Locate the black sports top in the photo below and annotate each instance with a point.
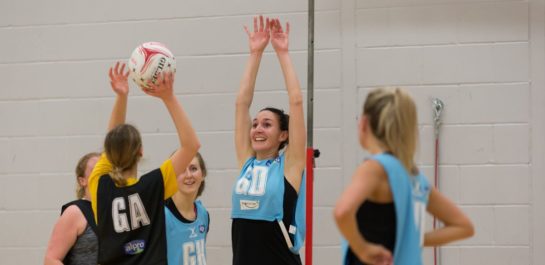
(377, 224)
(85, 249)
(131, 219)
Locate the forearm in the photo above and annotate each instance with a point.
(186, 134)
(247, 84)
(457, 224)
(349, 229)
(446, 235)
(64, 236)
(290, 78)
(52, 261)
(119, 112)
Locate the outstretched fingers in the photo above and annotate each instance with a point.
(247, 31)
(279, 26)
(116, 71)
(273, 25)
(122, 71)
(255, 24)
(276, 26)
(257, 27)
(116, 68)
(260, 36)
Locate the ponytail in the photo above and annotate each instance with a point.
(122, 146)
(393, 120)
(117, 176)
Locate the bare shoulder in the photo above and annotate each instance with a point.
(73, 216)
(372, 168)
(72, 211)
(373, 173)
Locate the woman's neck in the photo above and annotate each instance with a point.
(130, 173)
(185, 204)
(374, 146)
(86, 195)
(266, 155)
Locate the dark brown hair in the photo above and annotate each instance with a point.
(283, 121)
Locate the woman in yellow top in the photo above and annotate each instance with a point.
(130, 211)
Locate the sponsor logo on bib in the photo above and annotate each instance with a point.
(249, 205)
(135, 247)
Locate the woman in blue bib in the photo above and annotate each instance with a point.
(266, 192)
(187, 220)
(382, 211)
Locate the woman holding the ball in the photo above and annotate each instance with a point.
(265, 195)
(129, 211)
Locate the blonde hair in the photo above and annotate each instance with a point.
(80, 172)
(122, 146)
(202, 165)
(393, 120)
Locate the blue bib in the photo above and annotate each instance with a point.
(411, 195)
(258, 194)
(186, 242)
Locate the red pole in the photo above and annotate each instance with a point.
(309, 205)
(310, 138)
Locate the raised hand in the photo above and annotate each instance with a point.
(279, 37)
(118, 79)
(163, 87)
(259, 38)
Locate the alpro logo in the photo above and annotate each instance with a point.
(135, 247)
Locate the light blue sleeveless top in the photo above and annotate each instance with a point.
(411, 195)
(186, 242)
(258, 194)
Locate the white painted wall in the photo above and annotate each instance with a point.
(484, 58)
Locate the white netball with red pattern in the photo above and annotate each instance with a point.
(148, 60)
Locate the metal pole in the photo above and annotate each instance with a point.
(310, 127)
(438, 107)
(310, 74)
